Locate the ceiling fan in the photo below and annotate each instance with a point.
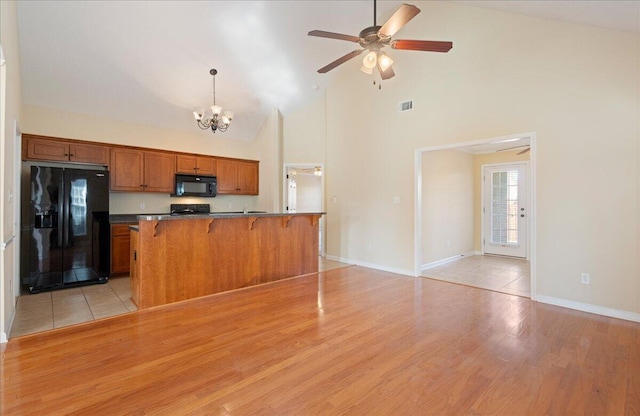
(375, 38)
(527, 149)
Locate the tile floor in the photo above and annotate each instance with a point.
(501, 274)
(49, 310)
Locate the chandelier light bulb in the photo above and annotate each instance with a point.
(370, 59)
(216, 109)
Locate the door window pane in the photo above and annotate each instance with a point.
(504, 207)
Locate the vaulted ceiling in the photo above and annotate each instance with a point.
(148, 61)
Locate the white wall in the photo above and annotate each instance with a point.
(10, 118)
(447, 204)
(575, 86)
(308, 193)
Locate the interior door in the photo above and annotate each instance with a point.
(505, 209)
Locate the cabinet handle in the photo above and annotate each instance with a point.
(71, 154)
(66, 154)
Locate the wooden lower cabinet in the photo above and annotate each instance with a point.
(120, 249)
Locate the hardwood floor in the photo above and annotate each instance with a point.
(347, 341)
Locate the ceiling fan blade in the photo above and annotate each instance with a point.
(386, 74)
(340, 61)
(332, 35)
(405, 13)
(524, 151)
(506, 149)
(422, 45)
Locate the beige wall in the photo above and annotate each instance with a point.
(58, 123)
(478, 161)
(10, 118)
(447, 204)
(575, 86)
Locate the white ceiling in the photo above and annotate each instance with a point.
(148, 61)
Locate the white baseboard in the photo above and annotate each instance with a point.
(587, 307)
(444, 261)
(371, 265)
(3, 338)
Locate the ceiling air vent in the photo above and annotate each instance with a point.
(405, 106)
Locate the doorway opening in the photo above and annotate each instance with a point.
(450, 224)
(505, 209)
(304, 192)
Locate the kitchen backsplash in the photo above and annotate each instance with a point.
(141, 203)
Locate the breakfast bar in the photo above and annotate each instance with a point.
(174, 258)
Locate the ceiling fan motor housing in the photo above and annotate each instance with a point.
(371, 39)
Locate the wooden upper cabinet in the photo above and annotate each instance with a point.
(60, 151)
(159, 172)
(126, 170)
(87, 153)
(135, 169)
(237, 177)
(196, 165)
(139, 171)
(248, 178)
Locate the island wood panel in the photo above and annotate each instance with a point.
(134, 281)
(189, 258)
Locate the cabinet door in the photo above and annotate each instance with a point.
(87, 153)
(120, 248)
(186, 164)
(248, 178)
(206, 165)
(126, 170)
(227, 172)
(159, 172)
(38, 149)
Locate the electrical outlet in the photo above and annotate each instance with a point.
(369, 248)
(585, 279)
(142, 205)
(448, 243)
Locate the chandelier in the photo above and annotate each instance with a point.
(215, 121)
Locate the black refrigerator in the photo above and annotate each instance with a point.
(65, 229)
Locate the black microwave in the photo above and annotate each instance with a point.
(196, 185)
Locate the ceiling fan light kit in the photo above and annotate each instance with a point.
(374, 38)
(215, 121)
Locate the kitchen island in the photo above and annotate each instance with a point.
(174, 258)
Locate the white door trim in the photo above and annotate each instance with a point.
(285, 191)
(417, 242)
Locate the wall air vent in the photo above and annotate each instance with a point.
(405, 106)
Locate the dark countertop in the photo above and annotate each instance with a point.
(134, 218)
(162, 217)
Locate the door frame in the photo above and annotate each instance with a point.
(527, 204)
(417, 212)
(285, 195)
